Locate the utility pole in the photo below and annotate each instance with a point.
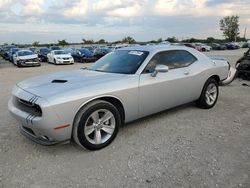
(245, 33)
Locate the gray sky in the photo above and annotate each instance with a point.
(26, 21)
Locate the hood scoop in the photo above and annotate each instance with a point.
(59, 81)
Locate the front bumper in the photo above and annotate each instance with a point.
(30, 64)
(39, 140)
(38, 128)
(64, 62)
(89, 59)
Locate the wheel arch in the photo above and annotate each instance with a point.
(108, 98)
(216, 78)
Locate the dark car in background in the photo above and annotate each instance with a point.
(246, 45)
(83, 55)
(100, 52)
(216, 46)
(11, 53)
(54, 48)
(69, 50)
(34, 50)
(243, 66)
(232, 46)
(42, 54)
(90, 48)
(6, 50)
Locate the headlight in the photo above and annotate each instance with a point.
(58, 58)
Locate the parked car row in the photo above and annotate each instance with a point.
(19, 57)
(58, 55)
(53, 54)
(216, 46)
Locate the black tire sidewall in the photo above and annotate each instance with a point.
(202, 101)
(80, 127)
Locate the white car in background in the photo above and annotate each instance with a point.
(60, 57)
(204, 47)
(26, 58)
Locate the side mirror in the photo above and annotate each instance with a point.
(160, 68)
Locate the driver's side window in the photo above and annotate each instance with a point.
(159, 58)
(172, 58)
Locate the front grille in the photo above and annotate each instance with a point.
(31, 60)
(29, 106)
(65, 58)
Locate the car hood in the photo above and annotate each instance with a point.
(28, 57)
(62, 82)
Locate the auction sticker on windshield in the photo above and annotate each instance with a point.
(135, 53)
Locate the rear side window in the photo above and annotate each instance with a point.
(172, 58)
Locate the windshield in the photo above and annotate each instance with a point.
(85, 51)
(59, 52)
(121, 61)
(14, 50)
(44, 50)
(68, 51)
(24, 53)
(55, 48)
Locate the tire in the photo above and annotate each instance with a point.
(209, 94)
(18, 65)
(55, 61)
(91, 134)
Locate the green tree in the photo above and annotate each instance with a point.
(210, 40)
(86, 41)
(159, 40)
(62, 42)
(172, 39)
(83, 41)
(36, 43)
(101, 41)
(230, 27)
(129, 40)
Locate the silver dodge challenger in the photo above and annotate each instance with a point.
(89, 105)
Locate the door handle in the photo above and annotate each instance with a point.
(186, 73)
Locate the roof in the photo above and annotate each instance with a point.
(154, 48)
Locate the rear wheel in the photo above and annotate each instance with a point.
(96, 125)
(209, 94)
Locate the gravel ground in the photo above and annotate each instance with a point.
(182, 147)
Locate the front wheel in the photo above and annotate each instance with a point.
(96, 125)
(209, 94)
(18, 64)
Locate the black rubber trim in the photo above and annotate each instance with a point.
(40, 141)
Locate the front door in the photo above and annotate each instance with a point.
(169, 89)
